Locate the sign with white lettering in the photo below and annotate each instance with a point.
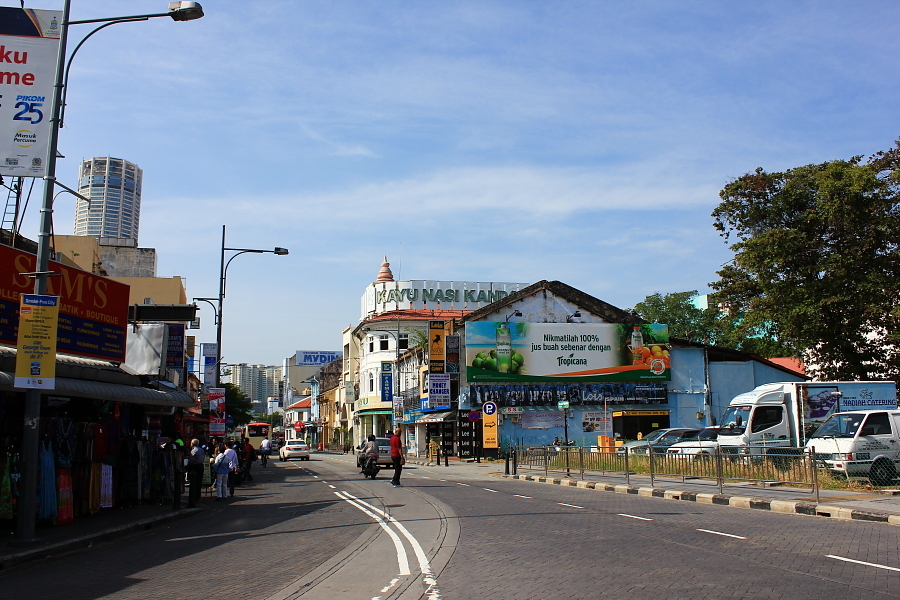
(29, 42)
(316, 358)
(439, 390)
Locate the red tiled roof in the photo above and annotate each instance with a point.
(418, 314)
(305, 403)
(790, 363)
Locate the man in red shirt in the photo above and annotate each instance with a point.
(397, 457)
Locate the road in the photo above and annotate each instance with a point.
(317, 530)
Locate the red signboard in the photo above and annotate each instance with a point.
(93, 314)
(299, 426)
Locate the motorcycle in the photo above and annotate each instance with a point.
(371, 467)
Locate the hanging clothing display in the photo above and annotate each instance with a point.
(106, 486)
(46, 495)
(6, 487)
(65, 501)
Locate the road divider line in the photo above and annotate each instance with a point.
(465, 484)
(490, 490)
(635, 517)
(331, 486)
(521, 496)
(402, 560)
(739, 537)
(571, 505)
(861, 562)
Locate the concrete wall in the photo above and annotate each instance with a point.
(159, 289)
(121, 261)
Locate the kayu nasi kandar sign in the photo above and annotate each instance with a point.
(29, 41)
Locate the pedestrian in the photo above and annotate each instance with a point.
(195, 472)
(232, 457)
(249, 455)
(220, 468)
(397, 457)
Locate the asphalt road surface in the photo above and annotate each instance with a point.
(317, 530)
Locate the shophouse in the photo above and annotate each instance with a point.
(298, 420)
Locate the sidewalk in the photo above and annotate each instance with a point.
(87, 531)
(879, 506)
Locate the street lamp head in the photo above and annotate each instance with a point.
(185, 11)
(281, 251)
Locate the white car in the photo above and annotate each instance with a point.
(703, 445)
(294, 449)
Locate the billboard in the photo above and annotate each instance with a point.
(30, 42)
(316, 358)
(566, 352)
(93, 310)
(217, 416)
(587, 394)
(36, 350)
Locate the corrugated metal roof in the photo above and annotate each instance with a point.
(436, 417)
(100, 390)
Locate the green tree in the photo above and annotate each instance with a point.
(237, 405)
(816, 262)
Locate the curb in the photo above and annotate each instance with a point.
(86, 541)
(780, 506)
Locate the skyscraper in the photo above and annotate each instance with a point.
(114, 187)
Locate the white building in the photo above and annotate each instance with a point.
(299, 412)
(114, 188)
(259, 382)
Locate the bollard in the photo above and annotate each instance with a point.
(506, 468)
(446, 461)
(515, 469)
(438, 461)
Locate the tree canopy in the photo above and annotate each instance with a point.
(237, 405)
(816, 262)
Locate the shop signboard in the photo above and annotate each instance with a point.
(541, 420)
(439, 390)
(436, 348)
(586, 394)
(175, 349)
(36, 347)
(490, 437)
(30, 42)
(217, 416)
(93, 310)
(387, 382)
(316, 358)
(566, 352)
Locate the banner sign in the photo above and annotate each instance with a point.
(532, 420)
(490, 437)
(387, 381)
(566, 352)
(217, 416)
(599, 422)
(398, 408)
(93, 310)
(435, 346)
(316, 358)
(175, 350)
(451, 343)
(439, 390)
(208, 352)
(29, 40)
(591, 394)
(36, 347)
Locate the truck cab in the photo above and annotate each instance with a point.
(860, 444)
(755, 420)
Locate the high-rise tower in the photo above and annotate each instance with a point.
(114, 187)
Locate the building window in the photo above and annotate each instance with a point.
(404, 341)
(371, 382)
(371, 344)
(382, 342)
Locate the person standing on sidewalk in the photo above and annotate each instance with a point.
(249, 455)
(233, 462)
(195, 472)
(397, 457)
(220, 470)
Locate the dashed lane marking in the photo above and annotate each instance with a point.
(860, 562)
(739, 537)
(570, 505)
(521, 496)
(635, 517)
(465, 484)
(490, 490)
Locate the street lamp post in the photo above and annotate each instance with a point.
(223, 274)
(178, 11)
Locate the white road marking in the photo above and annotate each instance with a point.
(425, 477)
(442, 480)
(634, 517)
(331, 486)
(465, 484)
(402, 560)
(860, 562)
(572, 505)
(739, 537)
(490, 490)
(211, 535)
(316, 476)
(521, 496)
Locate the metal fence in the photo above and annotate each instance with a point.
(699, 464)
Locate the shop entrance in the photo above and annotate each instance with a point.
(627, 424)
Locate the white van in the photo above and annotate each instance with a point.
(860, 444)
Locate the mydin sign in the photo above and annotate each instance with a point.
(316, 358)
(426, 294)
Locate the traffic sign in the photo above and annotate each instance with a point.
(474, 416)
(489, 408)
(562, 404)
(299, 426)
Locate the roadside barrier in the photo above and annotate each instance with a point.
(699, 464)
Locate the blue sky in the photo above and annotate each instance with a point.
(479, 141)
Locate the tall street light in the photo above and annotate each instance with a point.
(178, 11)
(223, 274)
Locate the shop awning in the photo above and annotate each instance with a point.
(99, 390)
(439, 417)
(376, 411)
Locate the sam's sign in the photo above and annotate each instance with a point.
(93, 310)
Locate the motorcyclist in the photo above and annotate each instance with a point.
(370, 451)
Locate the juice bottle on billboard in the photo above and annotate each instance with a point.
(637, 345)
(504, 348)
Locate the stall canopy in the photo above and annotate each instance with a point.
(437, 417)
(101, 390)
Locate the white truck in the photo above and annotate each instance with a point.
(860, 444)
(785, 415)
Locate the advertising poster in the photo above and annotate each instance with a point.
(566, 352)
(208, 352)
(93, 310)
(439, 390)
(586, 394)
(436, 348)
(545, 420)
(175, 349)
(217, 416)
(36, 347)
(30, 41)
(452, 347)
(597, 422)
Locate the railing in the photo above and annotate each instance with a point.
(700, 464)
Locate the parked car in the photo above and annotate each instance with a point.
(384, 453)
(660, 440)
(704, 444)
(294, 449)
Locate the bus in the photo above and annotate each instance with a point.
(256, 432)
